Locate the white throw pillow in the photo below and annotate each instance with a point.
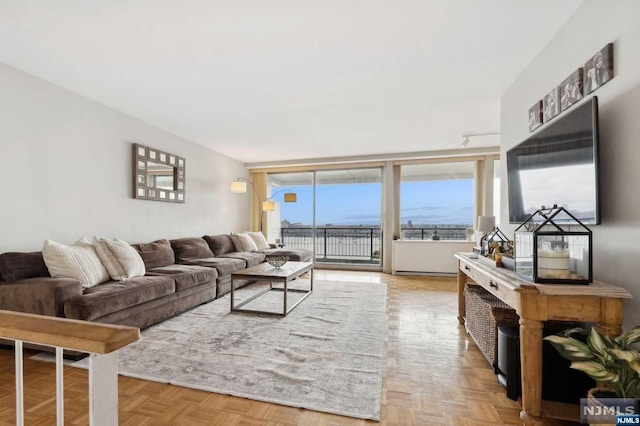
(121, 260)
(259, 239)
(243, 242)
(78, 261)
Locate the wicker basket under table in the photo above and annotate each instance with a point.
(484, 312)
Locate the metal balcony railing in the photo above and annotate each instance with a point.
(357, 244)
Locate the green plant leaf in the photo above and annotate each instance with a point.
(627, 355)
(631, 336)
(599, 343)
(596, 371)
(570, 348)
(632, 357)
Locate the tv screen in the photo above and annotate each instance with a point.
(557, 165)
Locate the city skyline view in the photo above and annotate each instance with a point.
(436, 202)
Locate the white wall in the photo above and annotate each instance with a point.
(616, 242)
(66, 173)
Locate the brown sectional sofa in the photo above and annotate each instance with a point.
(180, 274)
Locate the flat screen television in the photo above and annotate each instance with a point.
(557, 165)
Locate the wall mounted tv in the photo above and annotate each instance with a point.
(557, 165)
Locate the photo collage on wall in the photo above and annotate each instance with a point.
(596, 72)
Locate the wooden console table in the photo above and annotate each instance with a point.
(597, 303)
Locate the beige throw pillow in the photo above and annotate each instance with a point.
(121, 260)
(78, 261)
(243, 242)
(259, 239)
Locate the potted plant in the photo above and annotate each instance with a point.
(608, 361)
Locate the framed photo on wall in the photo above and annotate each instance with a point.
(599, 69)
(551, 104)
(571, 89)
(535, 116)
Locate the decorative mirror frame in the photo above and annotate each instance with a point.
(144, 154)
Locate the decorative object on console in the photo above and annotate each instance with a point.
(551, 104)
(599, 69)
(277, 261)
(571, 89)
(485, 224)
(158, 175)
(493, 244)
(545, 252)
(535, 116)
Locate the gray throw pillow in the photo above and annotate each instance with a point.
(16, 266)
(155, 254)
(191, 248)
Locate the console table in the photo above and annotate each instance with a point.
(597, 303)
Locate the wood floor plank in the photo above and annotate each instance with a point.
(433, 375)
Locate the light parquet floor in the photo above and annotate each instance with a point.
(434, 375)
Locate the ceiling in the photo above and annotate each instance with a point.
(284, 80)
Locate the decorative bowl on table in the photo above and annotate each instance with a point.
(277, 261)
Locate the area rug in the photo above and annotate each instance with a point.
(326, 355)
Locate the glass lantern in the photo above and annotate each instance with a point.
(547, 252)
(491, 240)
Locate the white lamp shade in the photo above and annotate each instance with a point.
(237, 186)
(486, 223)
(268, 206)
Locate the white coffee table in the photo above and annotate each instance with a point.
(265, 272)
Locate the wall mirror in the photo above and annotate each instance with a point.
(158, 175)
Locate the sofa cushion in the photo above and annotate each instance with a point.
(78, 261)
(114, 296)
(186, 276)
(225, 266)
(190, 248)
(17, 266)
(294, 254)
(243, 242)
(220, 244)
(121, 260)
(251, 258)
(155, 254)
(259, 239)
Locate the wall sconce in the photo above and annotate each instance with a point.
(269, 205)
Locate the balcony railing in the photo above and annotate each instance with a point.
(357, 244)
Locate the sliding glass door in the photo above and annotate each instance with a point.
(337, 213)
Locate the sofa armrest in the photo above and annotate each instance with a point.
(42, 296)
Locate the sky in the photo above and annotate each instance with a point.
(425, 202)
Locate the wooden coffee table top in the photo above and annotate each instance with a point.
(265, 271)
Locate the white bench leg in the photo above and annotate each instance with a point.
(59, 387)
(103, 389)
(19, 385)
